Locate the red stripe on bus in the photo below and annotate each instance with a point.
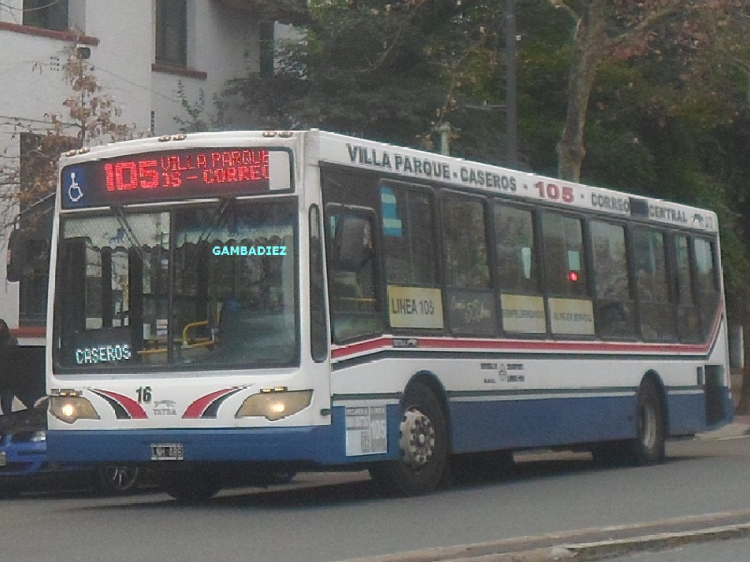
(131, 406)
(448, 343)
(196, 409)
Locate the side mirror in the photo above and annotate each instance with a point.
(17, 256)
(351, 243)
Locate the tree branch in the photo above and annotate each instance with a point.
(651, 18)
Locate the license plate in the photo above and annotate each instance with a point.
(3, 458)
(167, 452)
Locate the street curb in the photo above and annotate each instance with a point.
(587, 544)
(730, 431)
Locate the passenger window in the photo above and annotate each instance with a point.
(706, 282)
(408, 237)
(688, 318)
(614, 305)
(471, 302)
(516, 253)
(523, 309)
(465, 248)
(571, 311)
(656, 311)
(564, 259)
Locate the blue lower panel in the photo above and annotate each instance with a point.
(686, 413)
(324, 445)
(314, 444)
(510, 424)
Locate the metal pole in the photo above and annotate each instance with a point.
(510, 83)
(83, 54)
(445, 129)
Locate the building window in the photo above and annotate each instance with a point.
(171, 32)
(47, 14)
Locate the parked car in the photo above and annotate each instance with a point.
(24, 464)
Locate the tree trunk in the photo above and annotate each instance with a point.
(588, 50)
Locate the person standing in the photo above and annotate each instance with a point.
(8, 345)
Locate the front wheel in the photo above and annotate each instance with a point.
(117, 479)
(190, 486)
(423, 443)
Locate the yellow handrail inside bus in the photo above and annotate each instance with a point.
(185, 340)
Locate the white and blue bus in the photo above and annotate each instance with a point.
(237, 304)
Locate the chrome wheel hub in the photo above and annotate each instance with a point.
(647, 421)
(417, 438)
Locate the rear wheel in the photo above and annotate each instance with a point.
(423, 443)
(649, 445)
(190, 486)
(484, 466)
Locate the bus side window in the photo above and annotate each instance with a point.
(688, 315)
(470, 298)
(615, 311)
(517, 271)
(656, 311)
(706, 282)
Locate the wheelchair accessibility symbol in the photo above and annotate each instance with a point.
(74, 186)
(74, 190)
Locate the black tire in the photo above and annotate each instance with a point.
(424, 447)
(481, 467)
(649, 445)
(116, 480)
(190, 487)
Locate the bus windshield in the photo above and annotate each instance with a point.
(208, 285)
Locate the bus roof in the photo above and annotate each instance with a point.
(412, 164)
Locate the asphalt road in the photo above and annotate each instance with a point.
(346, 518)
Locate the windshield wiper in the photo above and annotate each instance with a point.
(220, 213)
(132, 238)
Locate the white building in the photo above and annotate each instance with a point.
(142, 52)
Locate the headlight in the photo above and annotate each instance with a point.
(72, 408)
(275, 405)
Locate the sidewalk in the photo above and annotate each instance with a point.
(739, 427)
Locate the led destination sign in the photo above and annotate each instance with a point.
(176, 174)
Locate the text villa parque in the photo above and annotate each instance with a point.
(420, 166)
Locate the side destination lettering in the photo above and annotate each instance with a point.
(610, 203)
(398, 162)
(429, 168)
(665, 213)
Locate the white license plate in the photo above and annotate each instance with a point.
(3, 458)
(167, 452)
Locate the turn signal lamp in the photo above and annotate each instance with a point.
(72, 408)
(275, 403)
